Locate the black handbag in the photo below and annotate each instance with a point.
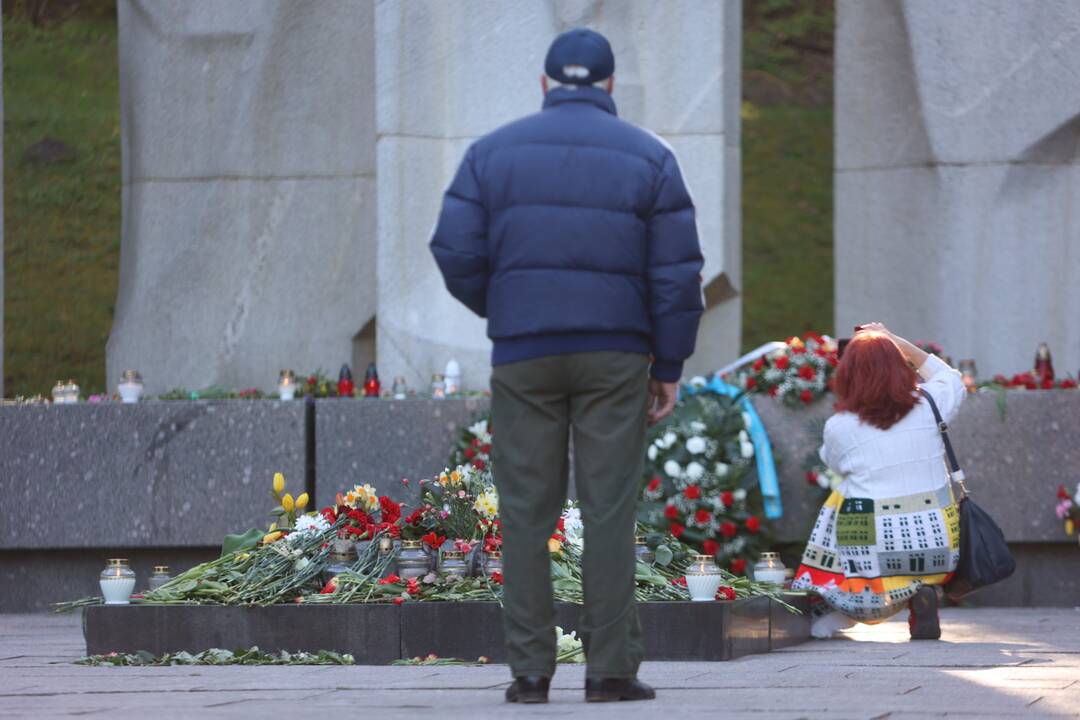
(984, 555)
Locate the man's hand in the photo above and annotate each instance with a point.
(662, 397)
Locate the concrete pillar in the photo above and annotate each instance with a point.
(247, 130)
(957, 175)
(451, 72)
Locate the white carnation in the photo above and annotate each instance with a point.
(694, 471)
(695, 445)
(747, 449)
(669, 439)
(747, 420)
(739, 494)
(698, 426)
(721, 469)
(651, 452)
(309, 524)
(672, 468)
(698, 381)
(479, 428)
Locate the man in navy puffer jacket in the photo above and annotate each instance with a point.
(573, 233)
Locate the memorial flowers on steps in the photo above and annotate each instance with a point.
(797, 374)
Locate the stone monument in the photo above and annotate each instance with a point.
(449, 72)
(248, 137)
(958, 175)
(252, 237)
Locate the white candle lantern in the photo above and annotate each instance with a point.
(287, 385)
(131, 386)
(117, 582)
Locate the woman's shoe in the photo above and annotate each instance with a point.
(923, 618)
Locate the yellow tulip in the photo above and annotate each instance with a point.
(1070, 527)
(554, 546)
(287, 503)
(279, 483)
(273, 527)
(302, 501)
(271, 537)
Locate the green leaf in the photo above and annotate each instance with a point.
(664, 556)
(243, 541)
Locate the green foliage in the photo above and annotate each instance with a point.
(61, 220)
(779, 33)
(217, 656)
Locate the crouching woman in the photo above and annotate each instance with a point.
(890, 531)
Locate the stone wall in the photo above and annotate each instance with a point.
(247, 131)
(450, 72)
(957, 168)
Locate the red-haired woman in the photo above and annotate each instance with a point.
(890, 531)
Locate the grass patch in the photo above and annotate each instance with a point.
(61, 220)
(787, 222)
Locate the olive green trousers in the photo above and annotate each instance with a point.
(601, 398)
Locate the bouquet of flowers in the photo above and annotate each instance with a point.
(1068, 510)
(798, 374)
(1031, 381)
(462, 503)
(474, 446)
(698, 481)
(363, 514)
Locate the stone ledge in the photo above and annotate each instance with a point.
(377, 634)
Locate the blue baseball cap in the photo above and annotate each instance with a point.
(580, 57)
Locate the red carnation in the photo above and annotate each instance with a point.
(703, 517)
(478, 464)
(798, 349)
(671, 512)
(654, 484)
(391, 511)
(774, 390)
(390, 580)
(486, 449)
(710, 546)
(833, 360)
(728, 529)
(725, 593)
(677, 530)
(496, 577)
(811, 477)
(680, 581)
(782, 362)
(433, 541)
(1062, 493)
(470, 453)
(753, 524)
(738, 566)
(692, 492)
(415, 516)
(806, 396)
(728, 498)
(759, 364)
(751, 383)
(1067, 384)
(807, 373)
(398, 600)
(561, 525)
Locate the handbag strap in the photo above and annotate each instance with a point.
(955, 472)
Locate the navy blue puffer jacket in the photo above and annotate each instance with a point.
(571, 231)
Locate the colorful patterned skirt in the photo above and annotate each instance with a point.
(867, 557)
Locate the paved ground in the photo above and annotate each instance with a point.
(992, 663)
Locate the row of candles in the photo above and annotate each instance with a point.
(443, 385)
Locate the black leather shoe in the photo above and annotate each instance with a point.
(923, 620)
(528, 689)
(613, 689)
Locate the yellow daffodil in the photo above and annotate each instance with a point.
(279, 483)
(1070, 527)
(455, 478)
(444, 479)
(554, 546)
(287, 503)
(302, 501)
(271, 537)
(273, 527)
(487, 504)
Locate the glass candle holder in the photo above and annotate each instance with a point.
(412, 561)
(159, 577)
(438, 386)
(769, 569)
(400, 388)
(452, 377)
(72, 391)
(702, 578)
(493, 562)
(642, 550)
(287, 385)
(59, 393)
(130, 387)
(453, 567)
(117, 582)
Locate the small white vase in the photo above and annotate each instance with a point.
(117, 591)
(703, 587)
(130, 392)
